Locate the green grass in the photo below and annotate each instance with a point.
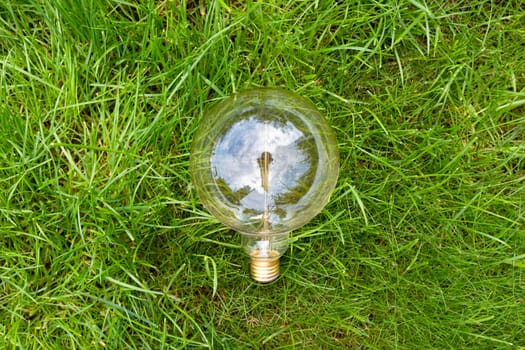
(104, 244)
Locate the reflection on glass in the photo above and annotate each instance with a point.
(258, 162)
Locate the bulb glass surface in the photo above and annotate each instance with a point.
(264, 162)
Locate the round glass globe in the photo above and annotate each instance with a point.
(264, 161)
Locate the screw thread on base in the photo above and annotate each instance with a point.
(264, 270)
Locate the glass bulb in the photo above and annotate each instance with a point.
(264, 162)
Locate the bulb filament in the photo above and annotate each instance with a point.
(264, 166)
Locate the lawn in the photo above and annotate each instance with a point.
(104, 243)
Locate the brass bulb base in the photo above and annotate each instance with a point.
(264, 270)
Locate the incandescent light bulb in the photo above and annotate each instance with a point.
(264, 162)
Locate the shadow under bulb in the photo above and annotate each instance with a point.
(264, 162)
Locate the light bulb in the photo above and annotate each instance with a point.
(264, 162)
